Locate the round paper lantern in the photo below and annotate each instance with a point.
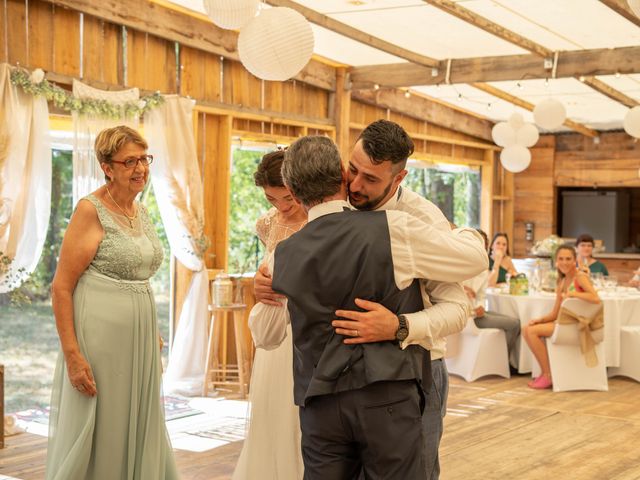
(276, 45)
(231, 14)
(503, 134)
(527, 135)
(515, 158)
(634, 5)
(549, 114)
(632, 122)
(516, 121)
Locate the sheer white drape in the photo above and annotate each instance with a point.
(87, 175)
(177, 184)
(25, 177)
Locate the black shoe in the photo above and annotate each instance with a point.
(513, 370)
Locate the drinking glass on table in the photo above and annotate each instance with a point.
(598, 280)
(610, 283)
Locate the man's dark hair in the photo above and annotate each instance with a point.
(268, 172)
(384, 141)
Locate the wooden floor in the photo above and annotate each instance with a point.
(495, 429)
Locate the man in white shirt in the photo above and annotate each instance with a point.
(376, 169)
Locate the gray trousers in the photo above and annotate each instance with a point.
(375, 431)
(432, 418)
(511, 327)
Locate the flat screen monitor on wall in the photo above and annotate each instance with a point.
(602, 214)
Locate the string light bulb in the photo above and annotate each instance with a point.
(519, 85)
(376, 86)
(407, 94)
(459, 97)
(617, 74)
(546, 82)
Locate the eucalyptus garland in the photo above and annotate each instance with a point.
(35, 84)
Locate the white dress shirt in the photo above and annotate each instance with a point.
(418, 250)
(446, 304)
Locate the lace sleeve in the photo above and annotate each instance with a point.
(263, 225)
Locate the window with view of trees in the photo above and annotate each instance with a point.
(454, 189)
(247, 204)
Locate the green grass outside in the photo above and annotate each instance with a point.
(29, 350)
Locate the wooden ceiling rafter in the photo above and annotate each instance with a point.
(621, 8)
(487, 25)
(355, 34)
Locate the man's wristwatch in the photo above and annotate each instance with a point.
(403, 328)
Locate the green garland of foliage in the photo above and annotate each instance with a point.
(66, 101)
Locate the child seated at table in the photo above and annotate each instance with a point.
(572, 283)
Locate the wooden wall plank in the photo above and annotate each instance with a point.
(136, 58)
(3, 33)
(212, 78)
(160, 65)
(191, 72)
(113, 59)
(93, 52)
(40, 35)
(66, 42)
(17, 32)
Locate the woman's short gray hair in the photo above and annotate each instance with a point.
(312, 169)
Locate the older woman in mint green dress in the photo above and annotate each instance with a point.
(107, 419)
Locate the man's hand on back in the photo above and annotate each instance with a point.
(375, 324)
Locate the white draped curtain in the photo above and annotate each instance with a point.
(87, 174)
(25, 179)
(177, 184)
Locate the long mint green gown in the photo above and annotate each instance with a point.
(120, 433)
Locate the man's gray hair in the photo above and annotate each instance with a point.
(312, 169)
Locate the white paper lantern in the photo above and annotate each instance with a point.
(516, 121)
(634, 5)
(231, 14)
(527, 135)
(632, 122)
(276, 45)
(515, 158)
(503, 134)
(549, 114)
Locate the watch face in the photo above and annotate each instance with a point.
(402, 333)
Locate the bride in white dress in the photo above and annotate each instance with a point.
(271, 450)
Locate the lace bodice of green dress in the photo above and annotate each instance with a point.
(126, 253)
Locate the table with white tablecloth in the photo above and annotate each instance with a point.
(619, 309)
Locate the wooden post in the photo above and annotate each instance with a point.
(342, 107)
(486, 194)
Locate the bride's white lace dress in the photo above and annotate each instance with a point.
(271, 449)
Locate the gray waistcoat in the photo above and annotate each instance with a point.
(324, 267)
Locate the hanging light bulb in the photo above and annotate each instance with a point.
(546, 82)
(407, 94)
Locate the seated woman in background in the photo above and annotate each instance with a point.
(500, 263)
(584, 246)
(572, 283)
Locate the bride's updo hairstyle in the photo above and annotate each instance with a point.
(268, 172)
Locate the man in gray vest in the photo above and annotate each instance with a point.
(376, 169)
(360, 404)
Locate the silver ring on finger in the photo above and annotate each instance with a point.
(357, 333)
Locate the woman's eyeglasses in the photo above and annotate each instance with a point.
(132, 162)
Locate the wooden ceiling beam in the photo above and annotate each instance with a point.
(455, 9)
(355, 34)
(621, 8)
(487, 25)
(427, 110)
(602, 61)
(496, 92)
(610, 92)
(187, 30)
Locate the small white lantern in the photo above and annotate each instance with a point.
(527, 135)
(632, 122)
(231, 14)
(549, 114)
(515, 158)
(503, 134)
(634, 5)
(276, 45)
